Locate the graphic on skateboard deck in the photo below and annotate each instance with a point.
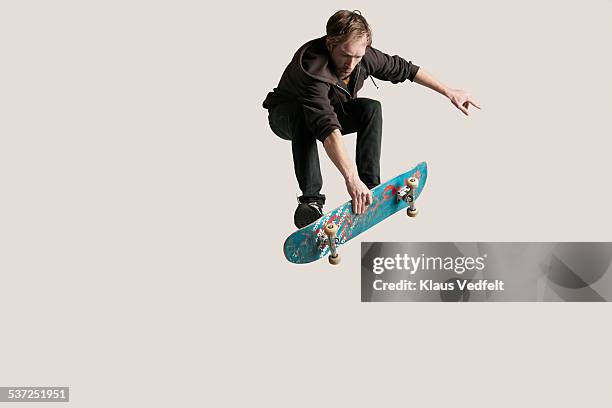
(335, 228)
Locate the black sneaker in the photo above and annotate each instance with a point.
(306, 213)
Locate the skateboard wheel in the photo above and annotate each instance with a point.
(331, 230)
(413, 183)
(334, 260)
(412, 213)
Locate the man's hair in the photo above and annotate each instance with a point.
(345, 24)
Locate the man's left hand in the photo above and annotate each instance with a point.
(461, 100)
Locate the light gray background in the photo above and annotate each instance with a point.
(145, 201)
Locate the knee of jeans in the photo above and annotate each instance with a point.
(371, 107)
(280, 126)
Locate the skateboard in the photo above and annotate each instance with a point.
(335, 228)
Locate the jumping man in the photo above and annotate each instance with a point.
(316, 99)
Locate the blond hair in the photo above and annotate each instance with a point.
(344, 25)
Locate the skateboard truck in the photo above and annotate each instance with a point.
(330, 237)
(406, 194)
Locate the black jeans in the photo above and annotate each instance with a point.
(363, 116)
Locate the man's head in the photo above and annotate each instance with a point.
(348, 36)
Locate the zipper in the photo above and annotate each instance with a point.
(356, 79)
(343, 90)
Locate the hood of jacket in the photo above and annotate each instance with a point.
(315, 61)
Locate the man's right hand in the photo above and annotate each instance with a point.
(359, 192)
(361, 196)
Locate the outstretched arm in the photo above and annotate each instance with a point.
(459, 98)
(360, 194)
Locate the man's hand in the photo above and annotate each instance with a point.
(361, 196)
(461, 100)
(359, 192)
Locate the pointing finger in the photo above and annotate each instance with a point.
(474, 103)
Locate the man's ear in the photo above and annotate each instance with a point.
(328, 45)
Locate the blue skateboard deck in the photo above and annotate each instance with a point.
(304, 245)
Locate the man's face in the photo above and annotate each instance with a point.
(346, 56)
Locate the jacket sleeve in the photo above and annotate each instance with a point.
(320, 117)
(389, 68)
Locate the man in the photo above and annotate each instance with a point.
(316, 99)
